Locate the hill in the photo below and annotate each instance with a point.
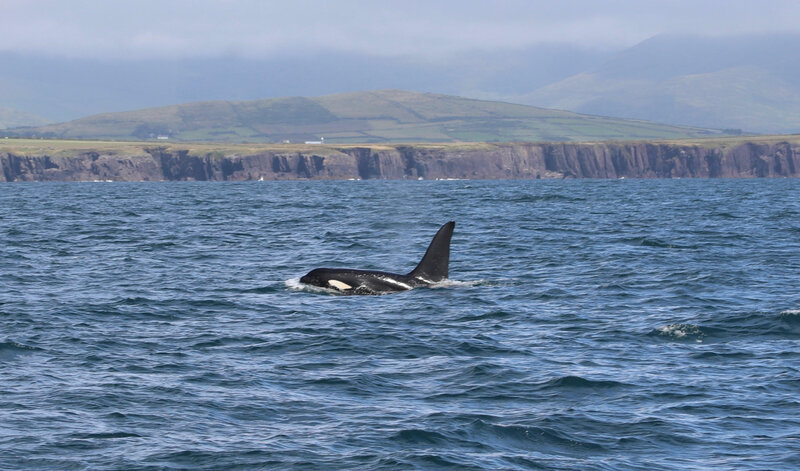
(11, 118)
(746, 82)
(373, 116)
(66, 88)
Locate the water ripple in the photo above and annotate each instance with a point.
(589, 325)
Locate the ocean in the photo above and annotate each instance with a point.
(587, 325)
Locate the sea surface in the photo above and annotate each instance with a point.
(588, 325)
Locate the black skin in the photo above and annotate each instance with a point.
(431, 269)
(362, 281)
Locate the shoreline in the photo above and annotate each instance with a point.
(78, 160)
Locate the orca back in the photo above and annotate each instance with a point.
(434, 266)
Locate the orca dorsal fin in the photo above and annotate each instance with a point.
(434, 265)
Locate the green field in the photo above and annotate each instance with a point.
(74, 147)
(360, 117)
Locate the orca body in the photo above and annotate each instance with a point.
(433, 268)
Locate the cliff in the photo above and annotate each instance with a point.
(728, 159)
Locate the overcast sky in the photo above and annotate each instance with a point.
(262, 28)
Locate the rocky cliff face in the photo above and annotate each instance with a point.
(490, 161)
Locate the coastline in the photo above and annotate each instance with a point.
(730, 157)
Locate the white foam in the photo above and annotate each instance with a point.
(455, 284)
(295, 285)
(790, 312)
(679, 331)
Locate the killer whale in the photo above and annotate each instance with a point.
(433, 268)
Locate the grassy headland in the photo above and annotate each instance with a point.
(384, 116)
(75, 160)
(70, 147)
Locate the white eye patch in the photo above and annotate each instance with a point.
(339, 285)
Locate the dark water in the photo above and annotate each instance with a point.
(592, 325)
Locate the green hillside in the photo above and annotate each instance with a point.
(10, 118)
(373, 116)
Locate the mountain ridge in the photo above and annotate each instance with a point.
(369, 116)
(747, 82)
(12, 118)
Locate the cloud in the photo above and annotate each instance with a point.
(192, 28)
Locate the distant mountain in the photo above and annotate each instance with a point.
(11, 118)
(373, 116)
(62, 89)
(746, 82)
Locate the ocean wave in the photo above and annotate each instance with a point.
(689, 332)
(228, 341)
(105, 435)
(419, 436)
(491, 315)
(790, 315)
(736, 325)
(136, 301)
(261, 289)
(578, 382)
(502, 438)
(514, 436)
(547, 199)
(566, 340)
(645, 241)
(10, 349)
(790, 322)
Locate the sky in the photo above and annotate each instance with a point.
(158, 29)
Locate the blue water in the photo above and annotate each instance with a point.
(590, 325)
